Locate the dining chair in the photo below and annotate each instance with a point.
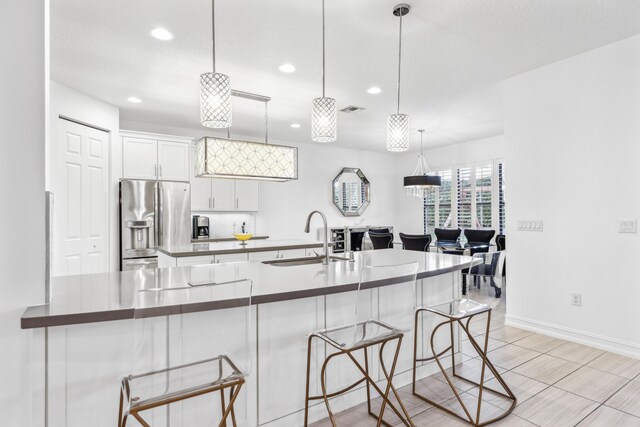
(381, 240)
(479, 237)
(450, 236)
(415, 242)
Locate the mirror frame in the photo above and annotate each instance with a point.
(367, 191)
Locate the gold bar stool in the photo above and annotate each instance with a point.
(461, 312)
(206, 365)
(361, 335)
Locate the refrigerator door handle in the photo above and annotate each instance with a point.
(157, 214)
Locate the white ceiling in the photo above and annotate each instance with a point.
(455, 54)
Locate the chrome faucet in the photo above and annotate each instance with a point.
(325, 245)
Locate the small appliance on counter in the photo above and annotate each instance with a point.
(200, 227)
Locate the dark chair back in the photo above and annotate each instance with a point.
(356, 240)
(479, 236)
(447, 234)
(501, 242)
(415, 242)
(381, 240)
(379, 230)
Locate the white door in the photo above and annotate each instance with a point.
(80, 184)
(223, 194)
(247, 195)
(139, 158)
(173, 161)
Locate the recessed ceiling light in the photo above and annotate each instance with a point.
(374, 90)
(161, 34)
(295, 125)
(134, 100)
(287, 68)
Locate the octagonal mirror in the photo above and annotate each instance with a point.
(351, 192)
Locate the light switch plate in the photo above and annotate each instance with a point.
(628, 226)
(530, 225)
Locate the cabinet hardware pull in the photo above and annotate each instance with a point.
(155, 170)
(209, 202)
(237, 203)
(160, 171)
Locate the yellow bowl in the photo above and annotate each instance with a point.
(243, 236)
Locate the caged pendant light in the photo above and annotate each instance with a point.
(422, 180)
(324, 113)
(215, 90)
(398, 124)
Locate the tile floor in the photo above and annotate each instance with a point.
(557, 383)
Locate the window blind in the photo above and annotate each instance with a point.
(464, 197)
(501, 199)
(483, 196)
(444, 200)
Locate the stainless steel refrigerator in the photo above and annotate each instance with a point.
(152, 214)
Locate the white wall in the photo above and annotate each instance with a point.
(439, 158)
(284, 206)
(572, 134)
(82, 108)
(22, 121)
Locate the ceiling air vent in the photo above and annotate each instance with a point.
(351, 109)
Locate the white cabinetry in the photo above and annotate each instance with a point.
(148, 156)
(223, 195)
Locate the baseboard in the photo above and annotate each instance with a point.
(612, 345)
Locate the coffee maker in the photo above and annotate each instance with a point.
(200, 227)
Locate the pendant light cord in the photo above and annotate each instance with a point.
(266, 122)
(213, 33)
(421, 151)
(399, 62)
(323, 51)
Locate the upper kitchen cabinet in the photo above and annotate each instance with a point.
(147, 156)
(247, 195)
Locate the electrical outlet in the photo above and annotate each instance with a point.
(576, 299)
(627, 226)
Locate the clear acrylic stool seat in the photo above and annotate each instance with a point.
(360, 335)
(461, 312)
(155, 381)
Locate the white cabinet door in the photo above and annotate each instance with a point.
(194, 260)
(173, 161)
(200, 193)
(220, 259)
(223, 194)
(139, 158)
(247, 192)
(263, 256)
(293, 253)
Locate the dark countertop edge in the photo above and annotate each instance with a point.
(28, 321)
(239, 250)
(225, 239)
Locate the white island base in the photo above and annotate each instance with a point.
(87, 361)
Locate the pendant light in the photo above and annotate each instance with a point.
(422, 180)
(215, 90)
(398, 124)
(324, 114)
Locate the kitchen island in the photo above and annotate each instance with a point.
(89, 334)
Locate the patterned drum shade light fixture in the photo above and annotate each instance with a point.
(398, 124)
(215, 90)
(231, 158)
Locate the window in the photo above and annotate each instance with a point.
(476, 200)
(444, 200)
(501, 200)
(483, 196)
(464, 197)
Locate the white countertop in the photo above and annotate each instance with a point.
(110, 296)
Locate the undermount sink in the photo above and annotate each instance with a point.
(291, 262)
